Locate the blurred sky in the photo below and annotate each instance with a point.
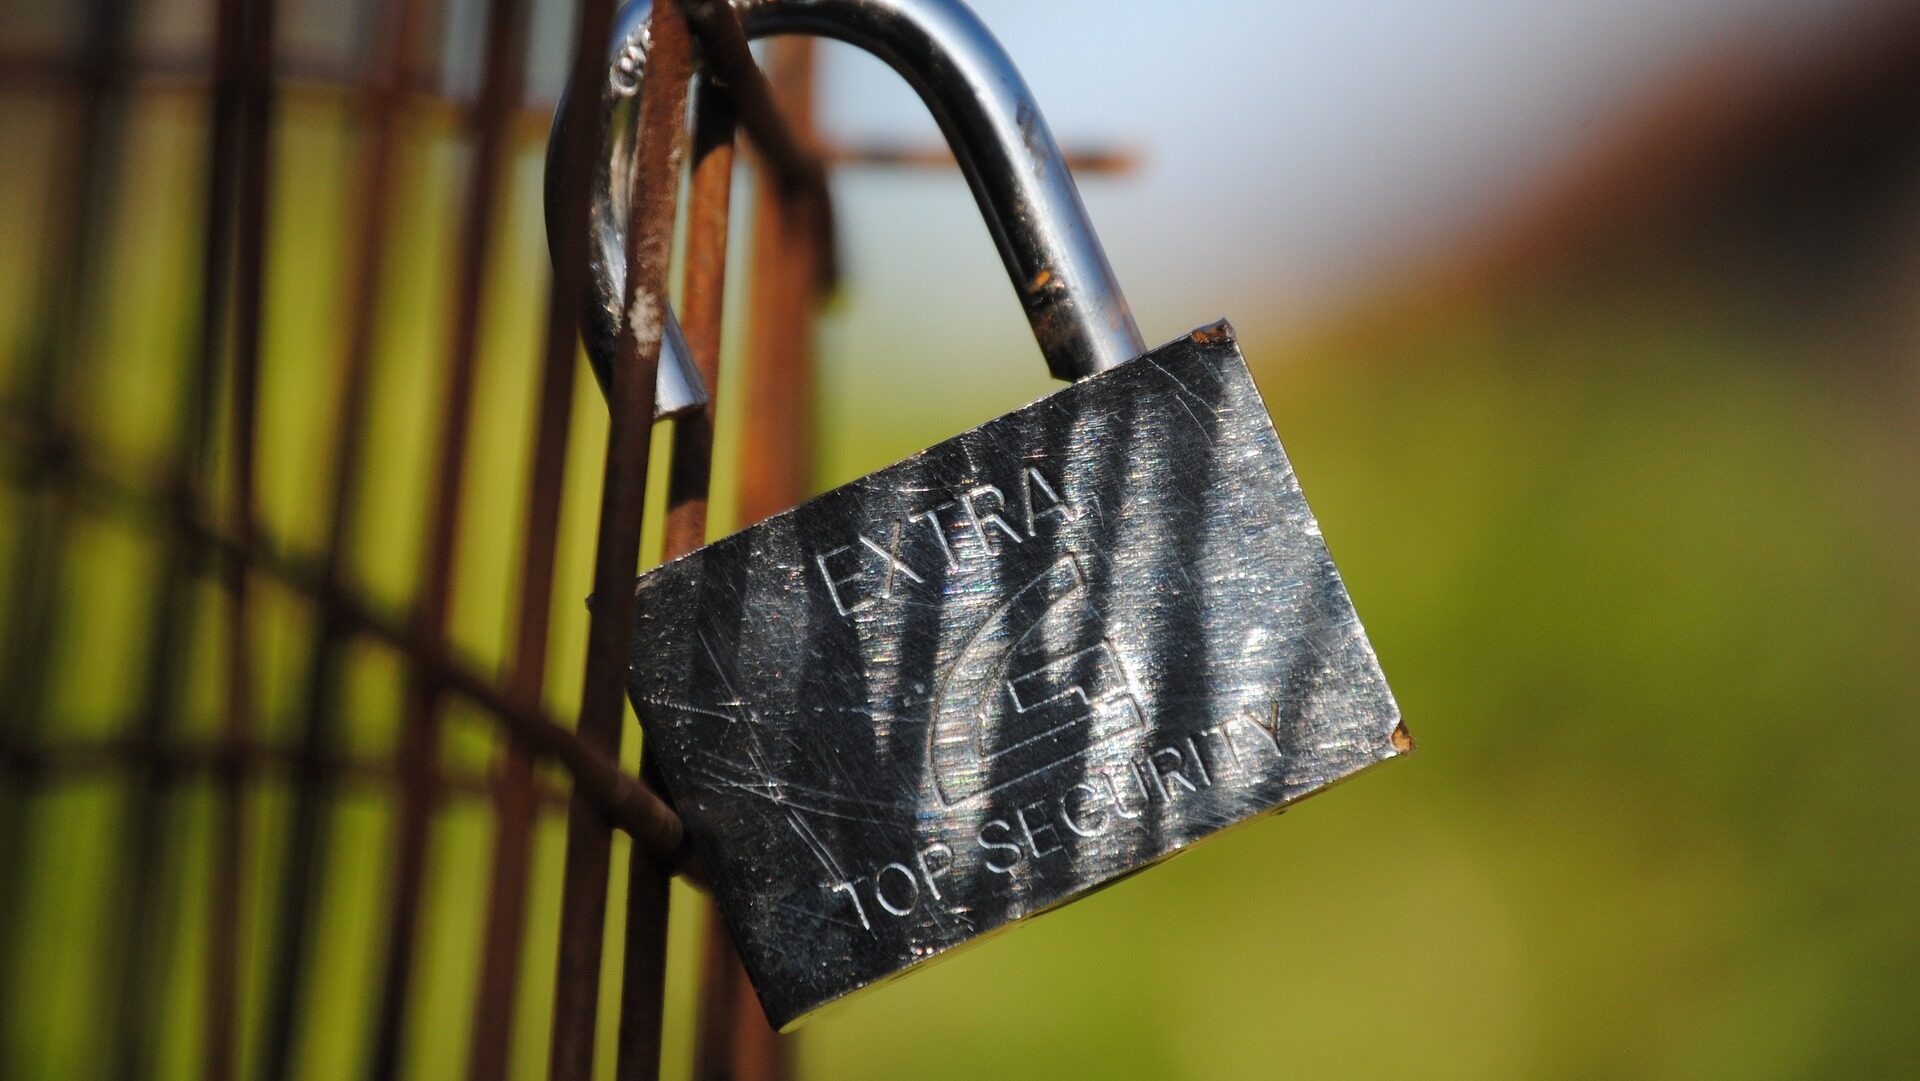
(1302, 146)
(1296, 156)
(1294, 151)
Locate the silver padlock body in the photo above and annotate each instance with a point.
(1004, 672)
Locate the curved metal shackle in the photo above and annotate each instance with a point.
(1073, 301)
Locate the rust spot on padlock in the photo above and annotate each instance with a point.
(1056, 325)
(1402, 739)
(1219, 331)
(1040, 281)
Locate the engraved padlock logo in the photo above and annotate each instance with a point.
(1038, 668)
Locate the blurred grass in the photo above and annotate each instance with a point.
(1645, 586)
(1643, 579)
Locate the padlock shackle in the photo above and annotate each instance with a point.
(1073, 301)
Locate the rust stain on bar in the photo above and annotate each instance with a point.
(691, 474)
(703, 303)
(691, 478)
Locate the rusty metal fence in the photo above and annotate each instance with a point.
(212, 564)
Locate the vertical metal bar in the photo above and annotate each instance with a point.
(526, 672)
(687, 498)
(55, 352)
(583, 890)
(52, 356)
(735, 1042)
(777, 439)
(418, 750)
(709, 203)
(514, 794)
(688, 483)
(623, 492)
(650, 242)
(713, 1048)
(144, 905)
(254, 153)
(305, 844)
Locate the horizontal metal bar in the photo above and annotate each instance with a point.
(74, 760)
(312, 81)
(1084, 161)
(60, 456)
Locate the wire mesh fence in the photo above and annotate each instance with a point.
(310, 754)
(221, 782)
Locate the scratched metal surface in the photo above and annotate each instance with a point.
(1003, 672)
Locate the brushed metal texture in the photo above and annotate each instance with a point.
(1003, 672)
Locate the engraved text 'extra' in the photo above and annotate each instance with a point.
(971, 522)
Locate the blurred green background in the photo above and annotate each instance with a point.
(1592, 334)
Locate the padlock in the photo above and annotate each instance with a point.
(1018, 665)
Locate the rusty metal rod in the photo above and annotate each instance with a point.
(789, 154)
(655, 202)
(586, 871)
(778, 435)
(249, 26)
(418, 747)
(53, 355)
(160, 75)
(703, 304)
(306, 841)
(735, 1043)
(579, 938)
(788, 151)
(703, 298)
(77, 761)
(525, 678)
